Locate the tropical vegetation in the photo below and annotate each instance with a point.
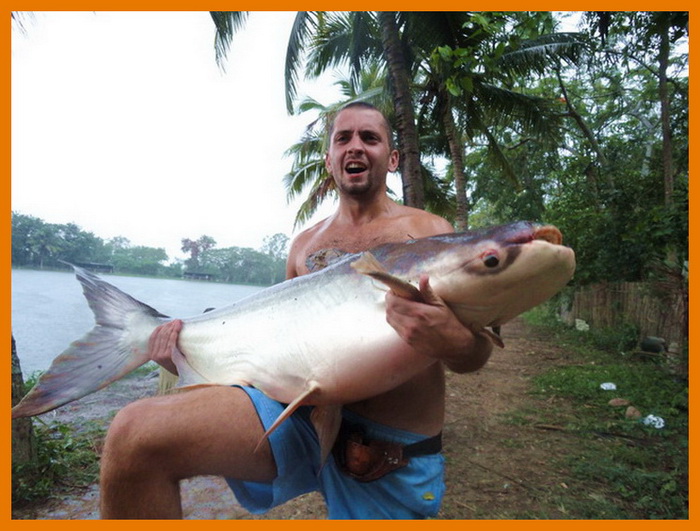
(508, 117)
(498, 116)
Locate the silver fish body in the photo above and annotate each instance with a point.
(327, 328)
(321, 339)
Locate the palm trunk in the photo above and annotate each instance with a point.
(457, 156)
(403, 105)
(667, 146)
(667, 149)
(23, 441)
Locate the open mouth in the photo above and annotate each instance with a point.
(548, 233)
(354, 168)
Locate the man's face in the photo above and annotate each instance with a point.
(359, 155)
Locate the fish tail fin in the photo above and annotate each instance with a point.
(117, 345)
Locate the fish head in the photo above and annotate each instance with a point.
(488, 277)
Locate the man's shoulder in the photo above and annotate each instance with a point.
(309, 234)
(422, 222)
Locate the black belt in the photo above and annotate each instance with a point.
(431, 445)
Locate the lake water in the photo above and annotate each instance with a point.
(49, 310)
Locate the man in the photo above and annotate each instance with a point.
(154, 443)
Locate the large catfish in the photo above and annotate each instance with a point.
(321, 339)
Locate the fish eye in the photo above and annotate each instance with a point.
(491, 260)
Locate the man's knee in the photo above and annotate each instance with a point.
(133, 438)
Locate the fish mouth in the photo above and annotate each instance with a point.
(548, 233)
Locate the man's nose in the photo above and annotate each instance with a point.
(355, 144)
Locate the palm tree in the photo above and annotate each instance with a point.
(353, 39)
(467, 81)
(332, 39)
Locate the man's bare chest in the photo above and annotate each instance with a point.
(358, 240)
(324, 250)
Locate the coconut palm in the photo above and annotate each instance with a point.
(354, 39)
(469, 81)
(358, 39)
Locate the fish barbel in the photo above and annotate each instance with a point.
(321, 339)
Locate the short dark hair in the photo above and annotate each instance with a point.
(361, 105)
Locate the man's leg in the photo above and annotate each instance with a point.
(154, 443)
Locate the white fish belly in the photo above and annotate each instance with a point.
(333, 336)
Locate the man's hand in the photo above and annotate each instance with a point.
(162, 342)
(432, 329)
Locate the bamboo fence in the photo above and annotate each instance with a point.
(610, 305)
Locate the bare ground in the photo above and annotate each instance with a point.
(496, 468)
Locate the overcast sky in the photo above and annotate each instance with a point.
(123, 124)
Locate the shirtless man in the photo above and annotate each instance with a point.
(154, 443)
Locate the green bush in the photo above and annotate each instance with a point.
(64, 459)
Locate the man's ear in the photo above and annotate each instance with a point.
(393, 160)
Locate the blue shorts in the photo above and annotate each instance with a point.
(412, 492)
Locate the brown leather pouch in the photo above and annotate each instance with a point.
(368, 460)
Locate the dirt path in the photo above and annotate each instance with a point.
(495, 467)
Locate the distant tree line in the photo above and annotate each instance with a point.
(238, 265)
(38, 244)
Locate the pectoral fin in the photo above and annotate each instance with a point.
(368, 265)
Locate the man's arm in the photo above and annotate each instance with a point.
(433, 330)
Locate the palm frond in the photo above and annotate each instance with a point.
(534, 113)
(305, 25)
(540, 54)
(21, 19)
(302, 176)
(226, 23)
(346, 39)
(317, 195)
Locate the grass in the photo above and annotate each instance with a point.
(65, 460)
(622, 468)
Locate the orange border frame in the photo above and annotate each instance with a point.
(288, 5)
